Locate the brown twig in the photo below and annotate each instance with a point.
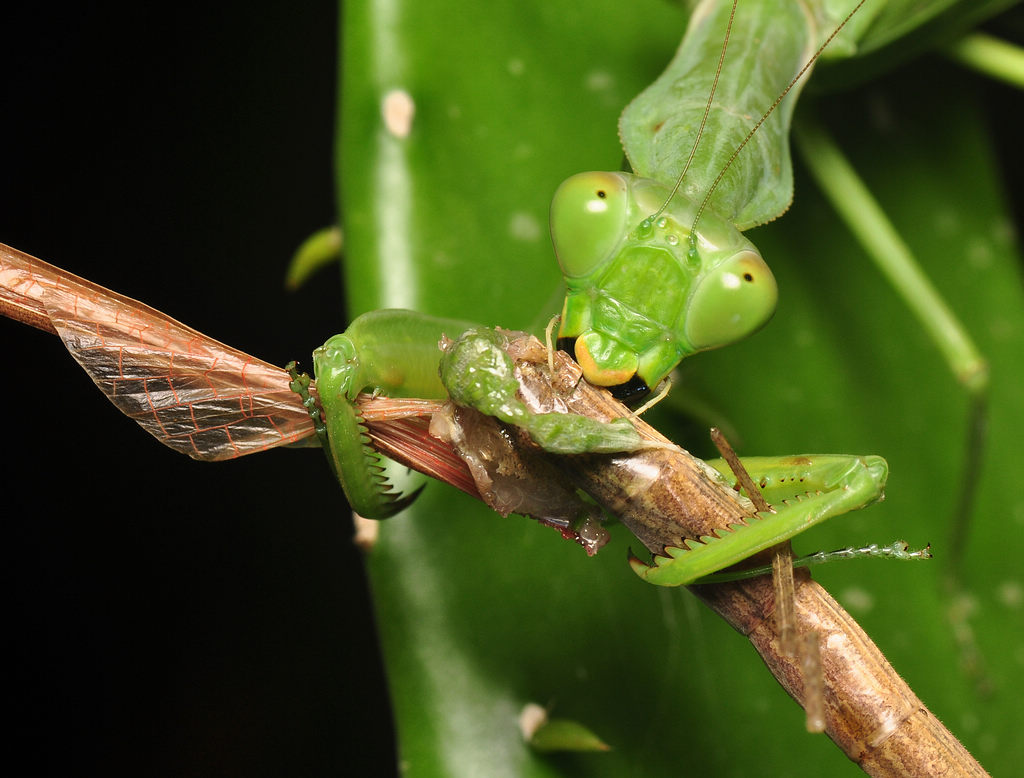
(870, 712)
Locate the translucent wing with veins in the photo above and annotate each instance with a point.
(192, 393)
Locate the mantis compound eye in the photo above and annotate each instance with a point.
(588, 220)
(734, 300)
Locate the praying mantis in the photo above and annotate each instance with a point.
(776, 444)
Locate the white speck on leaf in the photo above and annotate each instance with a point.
(524, 226)
(598, 80)
(857, 599)
(531, 718)
(1010, 594)
(946, 221)
(397, 109)
(979, 253)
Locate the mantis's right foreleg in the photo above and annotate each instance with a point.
(390, 352)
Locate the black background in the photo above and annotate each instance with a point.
(164, 616)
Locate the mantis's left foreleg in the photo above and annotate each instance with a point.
(802, 490)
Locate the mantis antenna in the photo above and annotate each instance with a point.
(646, 223)
(753, 130)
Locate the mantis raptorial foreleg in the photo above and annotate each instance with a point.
(803, 491)
(389, 352)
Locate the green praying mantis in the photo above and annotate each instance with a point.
(652, 278)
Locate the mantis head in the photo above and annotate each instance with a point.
(644, 293)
